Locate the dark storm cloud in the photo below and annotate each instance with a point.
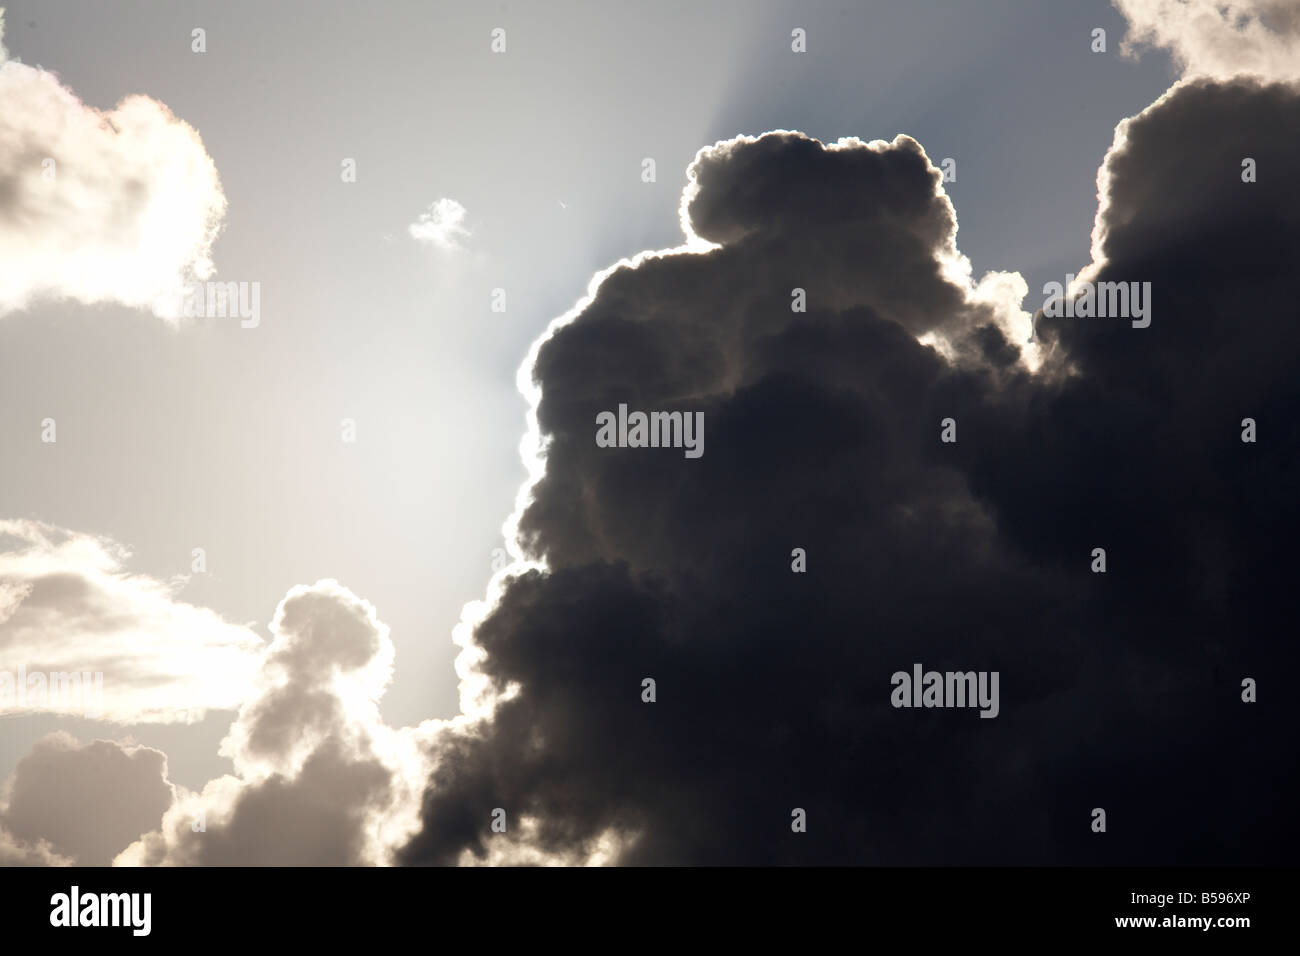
(1119, 691)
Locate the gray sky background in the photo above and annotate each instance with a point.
(228, 439)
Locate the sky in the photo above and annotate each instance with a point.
(312, 550)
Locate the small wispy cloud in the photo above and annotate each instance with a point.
(442, 225)
(83, 636)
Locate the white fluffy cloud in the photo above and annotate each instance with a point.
(69, 607)
(118, 206)
(442, 225)
(1219, 37)
(319, 778)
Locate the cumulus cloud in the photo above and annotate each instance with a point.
(15, 852)
(81, 635)
(319, 778)
(84, 803)
(773, 687)
(118, 205)
(1119, 690)
(1219, 37)
(441, 225)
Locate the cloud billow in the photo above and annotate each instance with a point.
(119, 205)
(320, 779)
(81, 635)
(1119, 690)
(822, 323)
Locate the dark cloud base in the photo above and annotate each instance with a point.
(1119, 690)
